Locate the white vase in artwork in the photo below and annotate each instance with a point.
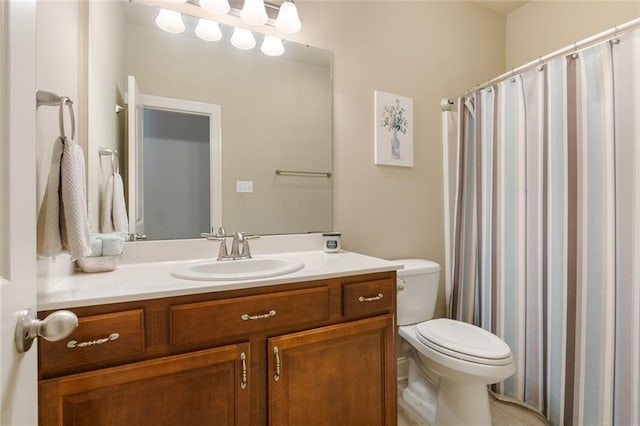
(395, 146)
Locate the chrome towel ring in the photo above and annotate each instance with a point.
(64, 100)
(51, 99)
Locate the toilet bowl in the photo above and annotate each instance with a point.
(463, 358)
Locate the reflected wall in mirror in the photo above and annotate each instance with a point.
(275, 115)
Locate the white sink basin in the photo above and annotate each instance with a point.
(233, 270)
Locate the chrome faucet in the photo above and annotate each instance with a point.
(239, 247)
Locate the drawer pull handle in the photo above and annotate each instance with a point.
(246, 317)
(370, 299)
(243, 382)
(71, 344)
(276, 354)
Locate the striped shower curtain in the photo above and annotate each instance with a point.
(544, 235)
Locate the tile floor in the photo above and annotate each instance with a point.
(503, 413)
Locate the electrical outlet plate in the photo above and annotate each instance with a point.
(244, 186)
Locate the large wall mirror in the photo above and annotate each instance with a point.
(216, 123)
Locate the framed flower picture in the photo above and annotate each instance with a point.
(393, 129)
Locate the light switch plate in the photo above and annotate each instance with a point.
(244, 186)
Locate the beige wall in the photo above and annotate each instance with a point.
(60, 66)
(422, 50)
(106, 88)
(541, 27)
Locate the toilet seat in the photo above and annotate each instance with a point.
(464, 341)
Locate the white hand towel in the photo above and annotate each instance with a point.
(49, 239)
(107, 206)
(112, 244)
(120, 221)
(96, 245)
(74, 228)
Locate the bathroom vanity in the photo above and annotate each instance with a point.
(313, 347)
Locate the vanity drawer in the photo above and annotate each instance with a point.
(97, 340)
(207, 321)
(367, 297)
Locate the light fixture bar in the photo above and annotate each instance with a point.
(231, 19)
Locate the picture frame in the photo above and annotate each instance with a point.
(393, 133)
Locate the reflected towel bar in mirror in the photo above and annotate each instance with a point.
(115, 165)
(302, 173)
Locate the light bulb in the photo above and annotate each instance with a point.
(215, 7)
(243, 39)
(272, 46)
(254, 12)
(170, 21)
(208, 30)
(288, 20)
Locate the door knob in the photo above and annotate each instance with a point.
(56, 326)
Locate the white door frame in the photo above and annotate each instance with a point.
(18, 372)
(212, 111)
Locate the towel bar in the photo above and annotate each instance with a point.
(302, 173)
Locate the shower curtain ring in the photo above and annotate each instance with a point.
(615, 39)
(575, 51)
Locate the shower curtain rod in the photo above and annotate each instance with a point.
(587, 42)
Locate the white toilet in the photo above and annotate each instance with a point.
(455, 361)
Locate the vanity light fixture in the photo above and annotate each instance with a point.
(254, 12)
(288, 20)
(272, 46)
(243, 39)
(170, 21)
(208, 30)
(215, 7)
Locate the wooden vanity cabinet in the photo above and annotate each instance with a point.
(319, 353)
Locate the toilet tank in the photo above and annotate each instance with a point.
(417, 290)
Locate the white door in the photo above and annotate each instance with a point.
(18, 372)
(135, 115)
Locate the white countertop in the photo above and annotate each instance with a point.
(153, 280)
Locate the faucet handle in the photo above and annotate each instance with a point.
(223, 251)
(245, 251)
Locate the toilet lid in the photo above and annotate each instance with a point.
(464, 341)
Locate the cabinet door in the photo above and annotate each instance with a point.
(337, 375)
(208, 387)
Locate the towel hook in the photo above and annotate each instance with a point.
(64, 100)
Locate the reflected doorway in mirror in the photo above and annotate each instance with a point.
(175, 161)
